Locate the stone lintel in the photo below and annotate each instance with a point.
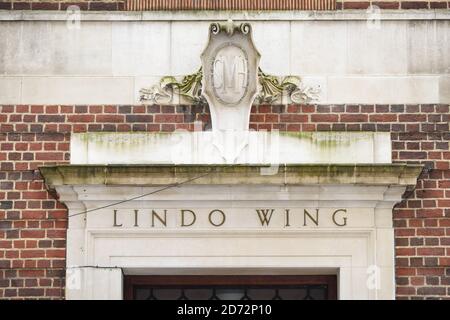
(304, 174)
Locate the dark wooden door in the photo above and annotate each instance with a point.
(243, 287)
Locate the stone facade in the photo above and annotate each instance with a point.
(398, 59)
(33, 224)
(376, 115)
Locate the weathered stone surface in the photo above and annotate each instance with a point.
(392, 174)
(105, 201)
(230, 65)
(351, 61)
(245, 147)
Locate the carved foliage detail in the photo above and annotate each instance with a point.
(189, 88)
(273, 87)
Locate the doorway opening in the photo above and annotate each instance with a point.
(231, 287)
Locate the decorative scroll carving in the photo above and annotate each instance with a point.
(190, 88)
(271, 89)
(229, 28)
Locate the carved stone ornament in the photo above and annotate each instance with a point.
(188, 90)
(230, 64)
(230, 81)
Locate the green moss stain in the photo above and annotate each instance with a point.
(329, 140)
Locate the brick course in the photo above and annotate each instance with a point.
(33, 223)
(167, 5)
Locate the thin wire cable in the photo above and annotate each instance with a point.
(141, 196)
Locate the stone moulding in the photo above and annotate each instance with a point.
(382, 174)
(213, 15)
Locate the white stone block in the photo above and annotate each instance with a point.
(428, 47)
(444, 89)
(51, 48)
(84, 51)
(272, 40)
(318, 47)
(77, 90)
(382, 148)
(383, 89)
(10, 35)
(376, 50)
(205, 148)
(141, 48)
(10, 90)
(188, 40)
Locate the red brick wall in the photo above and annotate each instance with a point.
(33, 224)
(96, 5)
(150, 5)
(393, 5)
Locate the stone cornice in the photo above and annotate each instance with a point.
(304, 174)
(27, 15)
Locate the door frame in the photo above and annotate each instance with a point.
(133, 281)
